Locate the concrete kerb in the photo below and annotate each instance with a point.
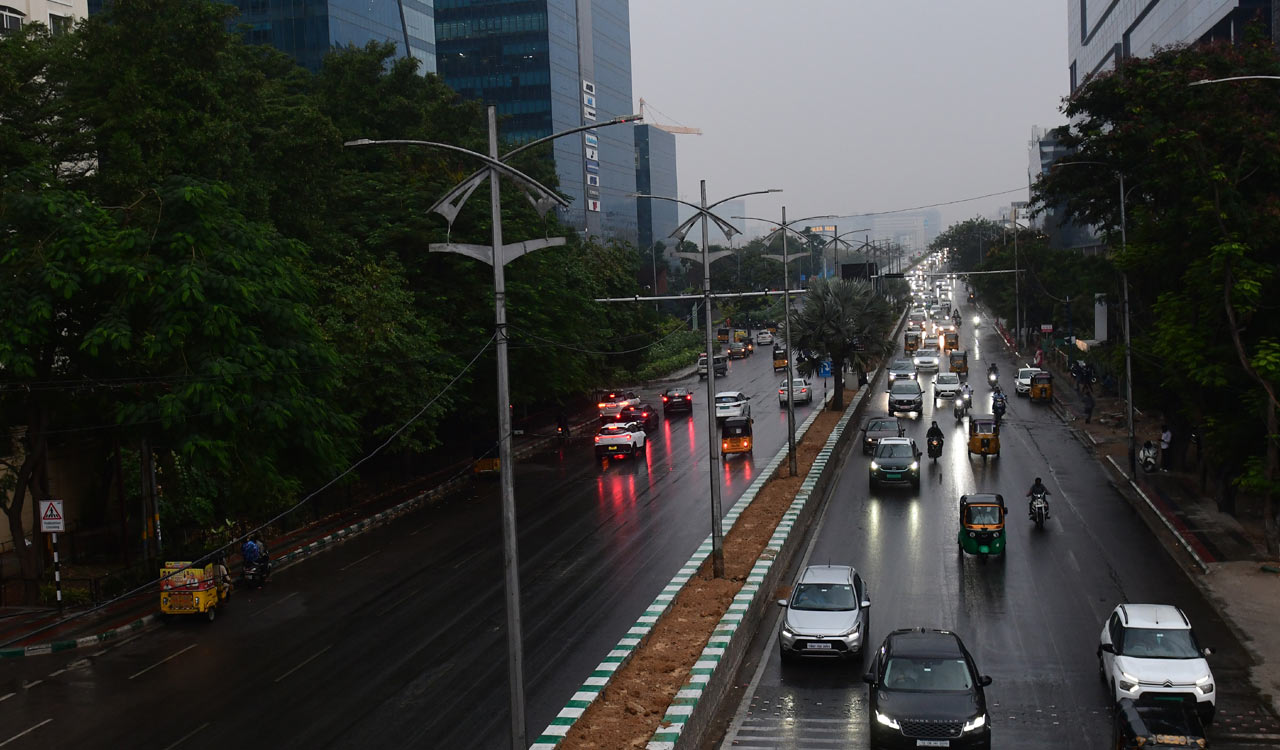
(1182, 541)
(635, 636)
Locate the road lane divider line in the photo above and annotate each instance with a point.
(1186, 545)
(305, 662)
(29, 685)
(357, 562)
(6, 697)
(162, 661)
(55, 674)
(189, 735)
(277, 601)
(399, 601)
(25, 732)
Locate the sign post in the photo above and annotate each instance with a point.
(51, 522)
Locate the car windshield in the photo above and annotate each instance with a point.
(926, 675)
(904, 388)
(928, 353)
(727, 399)
(902, 364)
(1024, 374)
(880, 425)
(676, 392)
(824, 597)
(984, 515)
(1153, 643)
(894, 450)
(947, 379)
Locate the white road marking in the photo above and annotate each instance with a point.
(162, 661)
(277, 601)
(398, 602)
(29, 685)
(1071, 558)
(25, 732)
(6, 697)
(357, 562)
(189, 735)
(55, 674)
(305, 662)
(116, 645)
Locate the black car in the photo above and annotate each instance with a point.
(925, 691)
(645, 414)
(677, 399)
(879, 427)
(894, 461)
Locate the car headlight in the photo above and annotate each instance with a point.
(887, 721)
(976, 722)
(788, 632)
(874, 466)
(915, 465)
(1205, 684)
(1128, 683)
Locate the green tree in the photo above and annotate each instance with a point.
(843, 321)
(1200, 166)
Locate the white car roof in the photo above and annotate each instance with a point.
(735, 394)
(1164, 616)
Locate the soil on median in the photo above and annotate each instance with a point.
(629, 710)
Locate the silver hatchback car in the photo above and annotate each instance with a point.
(828, 614)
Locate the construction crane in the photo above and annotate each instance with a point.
(680, 129)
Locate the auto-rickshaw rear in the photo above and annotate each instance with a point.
(192, 590)
(735, 436)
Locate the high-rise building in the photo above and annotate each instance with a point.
(307, 29)
(1102, 32)
(655, 175)
(548, 66)
(1043, 150)
(58, 15)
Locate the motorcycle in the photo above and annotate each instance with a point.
(961, 406)
(997, 409)
(1147, 457)
(992, 378)
(935, 447)
(255, 573)
(1039, 509)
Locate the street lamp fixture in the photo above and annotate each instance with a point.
(703, 213)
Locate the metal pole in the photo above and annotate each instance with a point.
(1017, 298)
(713, 439)
(57, 572)
(1128, 348)
(786, 329)
(510, 561)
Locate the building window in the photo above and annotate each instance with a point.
(10, 20)
(1084, 20)
(59, 25)
(1074, 80)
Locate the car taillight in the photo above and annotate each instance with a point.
(781, 391)
(601, 405)
(725, 445)
(664, 399)
(688, 398)
(597, 438)
(804, 390)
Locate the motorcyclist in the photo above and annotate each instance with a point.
(967, 392)
(934, 432)
(998, 402)
(1038, 488)
(994, 369)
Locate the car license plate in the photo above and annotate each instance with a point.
(893, 476)
(613, 447)
(819, 646)
(933, 743)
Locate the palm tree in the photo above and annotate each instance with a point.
(844, 321)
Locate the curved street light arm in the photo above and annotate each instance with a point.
(1234, 78)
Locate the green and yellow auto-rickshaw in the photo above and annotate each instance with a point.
(959, 362)
(981, 525)
(1041, 387)
(735, 435)
(779, 358)
(984, 436)
(950, 341)
(910, 342)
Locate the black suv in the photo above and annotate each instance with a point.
(926, 692)
(677, 399)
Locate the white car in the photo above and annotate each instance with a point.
(732, 404)
(946, 385)
(611, 402)
(901, 369)
(1022, 382)
(1150, 648)
(801, 392)
(926, 359)
(620, 439)
(764, 337)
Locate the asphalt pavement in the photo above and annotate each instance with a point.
(1031, 620)
(397, 637)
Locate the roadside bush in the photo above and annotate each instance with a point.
(678, 350)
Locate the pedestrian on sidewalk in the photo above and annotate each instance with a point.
(1088, 406)
(1166, 458)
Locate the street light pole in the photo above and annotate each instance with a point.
(1128, 347)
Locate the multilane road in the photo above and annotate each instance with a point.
(1031, 621)
(396, 638)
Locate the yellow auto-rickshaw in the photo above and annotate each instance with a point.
(959, 362)
(722, 335)
(984, 436)
(740, 335)
(950, 341)
(910, 342)
(735, 435)
(485, 455)
(187, 590)
(1041, 386)
(779, 358)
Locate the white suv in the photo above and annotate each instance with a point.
(1150, 648)
(732, 404)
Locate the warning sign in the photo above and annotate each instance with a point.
(51, 518)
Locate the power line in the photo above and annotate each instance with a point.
(936, 205)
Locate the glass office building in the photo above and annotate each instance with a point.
(307, 29)
(655, 175)
(548, 66)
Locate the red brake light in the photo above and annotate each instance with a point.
(664, 399)
(601, 405)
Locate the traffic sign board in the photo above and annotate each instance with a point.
(1046, 328)
(51, 518)
(824, 368)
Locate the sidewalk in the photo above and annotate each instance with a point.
(1223, 557)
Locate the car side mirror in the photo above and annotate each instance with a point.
(1110, 649)
(866, 602)
(782, 603)
(869, 678)
(1207, 651)
(984, 680)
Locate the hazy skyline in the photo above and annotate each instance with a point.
(853, 106)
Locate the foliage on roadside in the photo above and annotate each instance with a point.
(845, 322)
(679, 349)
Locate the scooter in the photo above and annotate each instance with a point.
(935, 448)
(961, 406)
(992, 378)
(997, 409)
(1039, 509)
(1147, 457)
(255, 573)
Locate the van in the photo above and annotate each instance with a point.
(721, 365)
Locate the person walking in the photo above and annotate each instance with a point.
(1088, 405)
(1166, 458)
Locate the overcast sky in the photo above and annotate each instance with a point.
(853, 106)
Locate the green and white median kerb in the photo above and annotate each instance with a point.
(636, 635)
